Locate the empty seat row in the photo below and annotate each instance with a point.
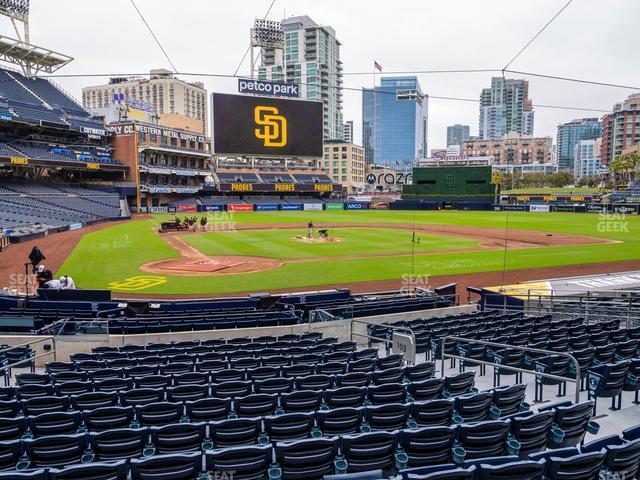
(239, 442)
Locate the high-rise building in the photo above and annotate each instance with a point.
(394, 122)
(621, 128)
(178, 104)
(570, 134)
(456, 134)
(344, 163)
(505, 107)
(586, 158)
(348, 131)
(310, 58)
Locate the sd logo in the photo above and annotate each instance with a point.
(273, 131)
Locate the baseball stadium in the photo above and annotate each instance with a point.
(178, 303)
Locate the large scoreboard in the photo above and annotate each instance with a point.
(265, 126)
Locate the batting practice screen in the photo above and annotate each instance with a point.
(450, 181)
(244, 125)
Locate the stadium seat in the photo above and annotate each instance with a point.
(246, 462)
(428, 446)
(189, 392)
(475, 407)
(485, 439)
(607, 381)
(432, 413)
(531, 430)
(345, 397)
(520, 470)
(185, 466)
(553, 365)
(571, 423)
(235, 432)
(159, 413)
(93, 400)
(340, 421)
(255, 405)
(305, 459)
(116, 470)
(370, 451)
(622, 457)
(179, 438)
(119, 443)
(570, 464)
(390, 416)
(55, 423)
(430, 389)
(288, 427)
(459, 384)
(105, 418)
(53, 451)
(208, 409)
(386, 393)
(301, 401)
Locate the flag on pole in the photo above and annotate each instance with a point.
(377, 66)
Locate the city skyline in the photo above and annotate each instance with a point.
(195, 47)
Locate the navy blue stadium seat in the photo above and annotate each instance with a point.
(235, 432)
(428, 446)
(340, 421)
(116, 470)
(607, 381)
(118, 443)
(180, 438)
(105, 418)
(306, 459)
(185, 466)
(531, 430)
(248, 462)
(288, 427)
(369, 451)
(53, 451)
(432, 413)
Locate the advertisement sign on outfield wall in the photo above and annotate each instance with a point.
(267, 207)
(625, 209)
(539, 208)
(513, 208)
(213, 208)
(335, 206)
(158, 210)
(291, 206)
(563, 208)
(240, 207)
(186, 208)
(312, 206)
(356, 206)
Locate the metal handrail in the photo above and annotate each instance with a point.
(28, 344)
(515, 369)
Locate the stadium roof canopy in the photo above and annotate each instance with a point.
(28, 55)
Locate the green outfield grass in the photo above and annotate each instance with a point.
(114, 253)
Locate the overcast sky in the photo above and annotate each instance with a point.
(591, 39)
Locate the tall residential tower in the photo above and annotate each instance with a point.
(505, 107)
(311, 58)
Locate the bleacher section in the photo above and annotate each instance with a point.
(306, 407)
(27, 209)
(36, 100)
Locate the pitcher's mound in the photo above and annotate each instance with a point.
(223, 265)
(304, 239)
